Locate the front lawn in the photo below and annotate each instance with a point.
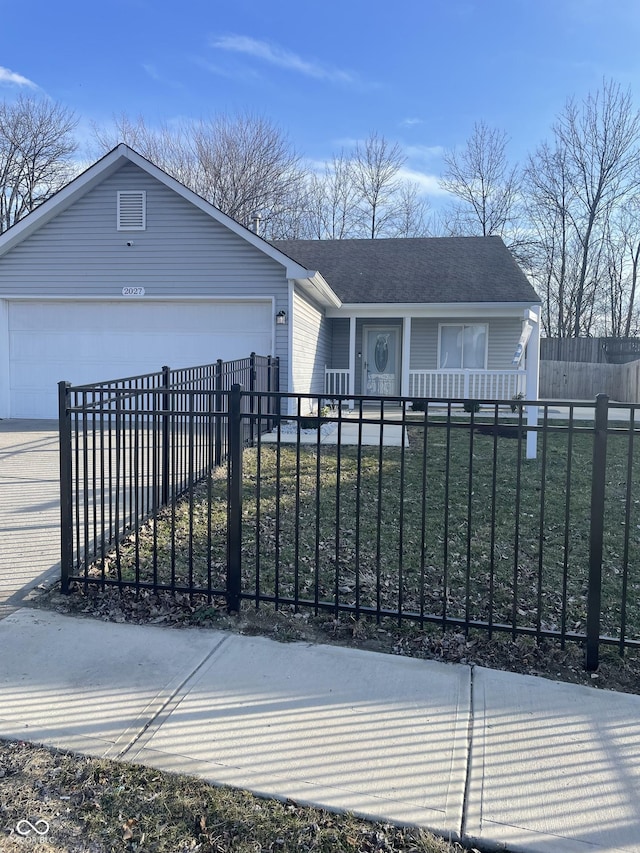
(453, 526)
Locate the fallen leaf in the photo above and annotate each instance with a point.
(127, 831)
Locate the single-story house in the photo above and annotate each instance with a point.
(125, 270)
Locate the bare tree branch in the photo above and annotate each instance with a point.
(36, 146)
(486, 186)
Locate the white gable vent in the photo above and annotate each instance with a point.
(132, 210)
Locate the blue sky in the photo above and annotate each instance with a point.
(419, 72)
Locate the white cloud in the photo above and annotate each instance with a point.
(428, 184)
(12, 78)
(424, 152)
(246, 74)
(279, 56)
(411, 122)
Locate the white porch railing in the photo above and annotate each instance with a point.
(336, 381)
(468, 384)
(465, 384)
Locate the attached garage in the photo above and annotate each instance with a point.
(125, 270)
(89, 341)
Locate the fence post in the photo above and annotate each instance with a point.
(598, 481)
(66, 488)
(269, 401)
(252, 398)
(275, 386)
(166, 448)
(234, 514)
(218, 415)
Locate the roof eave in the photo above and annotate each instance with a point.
(316, 286)
(439, 308)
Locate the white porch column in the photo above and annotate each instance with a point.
(532, 365)
(352, 358)
(291, 407)
(4, 359)
(406, 356)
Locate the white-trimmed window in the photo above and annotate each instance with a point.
(462, 346)
(132, 210)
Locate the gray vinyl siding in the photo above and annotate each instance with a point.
(424, 344)
(339, 343)
(182, 252)
(503, 336)
(311, 345)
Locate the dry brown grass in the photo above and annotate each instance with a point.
(98, 806)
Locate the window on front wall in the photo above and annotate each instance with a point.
(462, 346)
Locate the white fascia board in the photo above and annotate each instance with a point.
(315, 286)
(431, 309)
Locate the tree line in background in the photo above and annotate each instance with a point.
(570, 213)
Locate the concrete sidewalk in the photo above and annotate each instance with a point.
(29, 508)
(494, 758)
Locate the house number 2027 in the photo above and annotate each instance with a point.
(133, 291)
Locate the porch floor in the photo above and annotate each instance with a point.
(349, 434)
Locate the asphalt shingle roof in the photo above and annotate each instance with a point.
(413, 270)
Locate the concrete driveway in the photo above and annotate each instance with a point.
(29, 508)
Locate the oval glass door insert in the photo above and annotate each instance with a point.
(381, 354)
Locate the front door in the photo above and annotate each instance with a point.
(382, 361)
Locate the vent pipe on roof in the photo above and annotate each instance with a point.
(255, 221)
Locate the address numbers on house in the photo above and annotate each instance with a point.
(133, 291)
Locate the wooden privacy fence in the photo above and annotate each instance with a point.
(591, 350)
(570, 380)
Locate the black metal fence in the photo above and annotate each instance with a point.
(129, 447)
(383, 511)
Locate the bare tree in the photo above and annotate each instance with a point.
(166, 146)
(600, 139)
(630, 230)
(375, 167)
(242, 164)
(485, 186)
(333, 201)
(246, 165)
(36, 146)
(553, 262)
(622, 252)
(411, 213)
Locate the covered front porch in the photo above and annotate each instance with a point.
(463, 353)
(481, 352)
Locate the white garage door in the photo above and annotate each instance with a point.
(84, 342)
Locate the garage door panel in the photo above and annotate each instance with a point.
(90, 342)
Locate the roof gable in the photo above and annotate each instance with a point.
(416, 270)
(111, 163)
